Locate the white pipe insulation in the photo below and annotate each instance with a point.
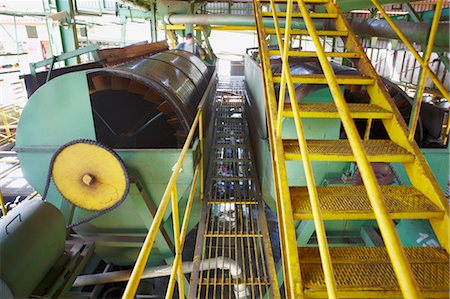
(223, 263)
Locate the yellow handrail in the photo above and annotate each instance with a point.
(423, 76)
(404, 39)
(282, 92)
(5, 122)
(177, 266)
(293, 284)
(170, 193)
(2, 203)
(402, 269)
(447, 131)
(309, 175)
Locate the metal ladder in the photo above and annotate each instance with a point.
(233, 257)
(351, 272)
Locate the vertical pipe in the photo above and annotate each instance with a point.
(123, 33)
(153, 29)
(16, 40)
(423, 74)
(69, 36)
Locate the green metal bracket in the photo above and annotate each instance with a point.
(305, 230)
(370, 236)
(373, 13)
(64, 56)
(412, 12)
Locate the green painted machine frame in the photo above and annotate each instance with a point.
(119, 234)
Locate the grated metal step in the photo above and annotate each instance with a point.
(349, 55)
(305, 32)
(320, 79)
(329, 110)
(366, 272)
(339, 150)
(314, 15)
(352, 203)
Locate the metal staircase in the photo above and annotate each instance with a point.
(350, 272)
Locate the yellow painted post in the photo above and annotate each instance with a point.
(413, 51)
(2, 204)
(178, 263)
(200, 133)
(282, 92)
(423, 76)
(171, 286)
(447, 131)
(5, 123)
(176, 236)
(190, 201)
(402, 269)
(368, 128)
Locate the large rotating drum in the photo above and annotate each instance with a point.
(143, 109)
(147, 103)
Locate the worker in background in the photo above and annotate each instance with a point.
(189, 45)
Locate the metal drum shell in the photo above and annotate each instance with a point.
(179, 77)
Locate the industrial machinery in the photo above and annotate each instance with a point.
(298, 179)
(145, 116)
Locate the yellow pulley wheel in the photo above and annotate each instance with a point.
(90, 175)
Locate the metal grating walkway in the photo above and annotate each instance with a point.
(233, 257)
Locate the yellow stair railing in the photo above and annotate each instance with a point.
(292, 278)
(400, 148)
(9, 118)
(170, 194)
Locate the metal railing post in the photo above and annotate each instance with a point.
(176, 236)
(200, 133)
(5, 123)
(423, 76)
(136, 274)
(4, 211)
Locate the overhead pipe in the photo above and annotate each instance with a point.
(223, 263)
(346, 5)
(415, 32)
